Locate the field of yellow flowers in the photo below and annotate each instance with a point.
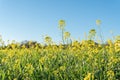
(83, 60)
(79, 60)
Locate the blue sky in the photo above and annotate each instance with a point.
(30, 19)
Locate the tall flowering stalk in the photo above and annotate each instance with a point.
(62, 28)
(98, 23)
(66, 36)
(92, 34)
(48, 40)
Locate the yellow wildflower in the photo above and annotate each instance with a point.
(98, 22)
(89, 77)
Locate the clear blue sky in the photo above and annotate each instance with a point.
(30, 19)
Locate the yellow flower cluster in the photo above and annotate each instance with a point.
(89, 77)
(29, 68)
(117, 46)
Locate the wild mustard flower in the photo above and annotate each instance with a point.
(66, 35)
(117, 37)
(23, 46)
(42, 60)
(89, 77)
(29, 68)
(15, 79)
(62, 24)
(110, 75)
(98, 22)
(13, 46)
(117, 46)
(17, 61)
(4, 60)
(62, 68)
(48, 39)
(92, 34)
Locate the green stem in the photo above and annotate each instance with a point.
(63, 36)
(100, 31)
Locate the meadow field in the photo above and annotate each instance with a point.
(75, 60)
(80, 61)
